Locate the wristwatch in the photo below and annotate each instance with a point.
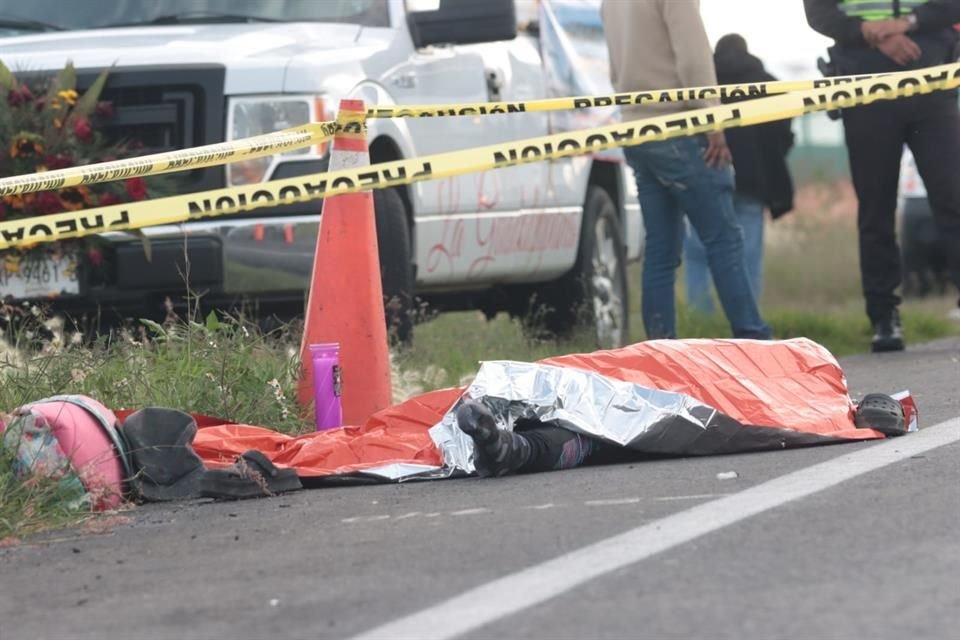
(911, 20)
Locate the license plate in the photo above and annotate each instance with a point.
(38, 276)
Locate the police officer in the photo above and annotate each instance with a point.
(876, 36)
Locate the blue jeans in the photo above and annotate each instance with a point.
(673, 180)
(699, 283)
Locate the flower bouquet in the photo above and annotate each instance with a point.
(46, 124)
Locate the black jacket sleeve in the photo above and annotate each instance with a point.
(825, 17)
(938, 14)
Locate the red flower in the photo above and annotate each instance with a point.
(104, 109)
(47, 202)
(136, 188)
(82, 130)
(20, 95)
(95, 256)
(58, 161)
(107, 199)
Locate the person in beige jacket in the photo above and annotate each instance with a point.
(662, 44)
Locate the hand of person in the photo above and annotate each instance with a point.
(876, 31)
(900, 49)
(717, 154)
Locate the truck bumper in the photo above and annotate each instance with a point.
(222, 263)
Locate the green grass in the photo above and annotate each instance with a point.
(223, 368)
(227, 368)
(31, 505)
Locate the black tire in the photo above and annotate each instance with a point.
(396, 264)
(593, 296)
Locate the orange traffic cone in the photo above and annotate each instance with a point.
(345, 303)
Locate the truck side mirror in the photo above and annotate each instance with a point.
(461, 21)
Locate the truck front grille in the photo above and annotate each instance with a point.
(162, 109)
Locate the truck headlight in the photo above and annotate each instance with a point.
(253, 116)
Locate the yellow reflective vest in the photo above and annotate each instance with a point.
(879, 9)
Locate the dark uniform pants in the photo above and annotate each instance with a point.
(875, 135)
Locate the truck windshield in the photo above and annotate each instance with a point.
(55, 15)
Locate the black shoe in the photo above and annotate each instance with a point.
(497, 452)
(882, 413)
(251, 476)
(165, 465)
(887, 335)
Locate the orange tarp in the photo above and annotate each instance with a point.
(793, 384)
(397, 434)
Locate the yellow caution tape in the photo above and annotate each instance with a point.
(206, 156)
(725, 91)
(315, 133)
(352, 125)
(182, 208)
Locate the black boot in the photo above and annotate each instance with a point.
(887, 334)
(497, 452)
(165, 465)
(252, 475)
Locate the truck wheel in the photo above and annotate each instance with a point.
(593, 295)
(396, 264)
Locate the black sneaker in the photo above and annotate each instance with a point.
(497, 452)
(887, 335)
(252, 475)
(882, 413)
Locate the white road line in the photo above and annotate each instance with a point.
(701, 496)
(541, 507)
(469, 512)
(412, 514)
(527, 588)
(365, 519)
(611, 502)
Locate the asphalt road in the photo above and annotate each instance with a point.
(864, 545)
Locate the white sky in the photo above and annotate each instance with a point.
(776, 31)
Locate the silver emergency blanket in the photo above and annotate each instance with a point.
(402, 471)
(646, 420)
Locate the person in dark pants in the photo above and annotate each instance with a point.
(657, 44)
(763, 179)
(878, 36)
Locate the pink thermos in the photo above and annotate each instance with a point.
(326, 385)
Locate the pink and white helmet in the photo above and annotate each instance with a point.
(87, 434)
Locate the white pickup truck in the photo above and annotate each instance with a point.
(548, 240)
